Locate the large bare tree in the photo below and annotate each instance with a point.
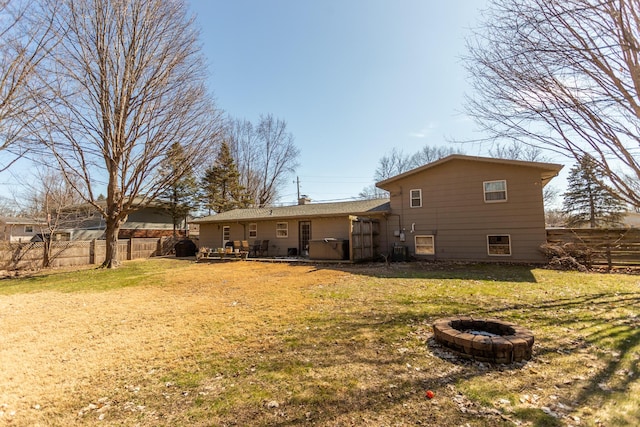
(25, 40)
(128, 81)
(265, 155)
(563, 75)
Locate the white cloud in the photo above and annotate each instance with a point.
(425, 131)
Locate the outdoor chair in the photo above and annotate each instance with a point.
(244, 246)
(264, 248)
(255, 248)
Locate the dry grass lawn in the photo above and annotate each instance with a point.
(172, 343)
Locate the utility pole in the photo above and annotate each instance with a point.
(298, 185)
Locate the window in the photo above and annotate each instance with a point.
(226, 233)
(424, 245)
(495, 191)
(253, 230)
(282, 229)
(499, 245)
(416, 198)
(28, 228)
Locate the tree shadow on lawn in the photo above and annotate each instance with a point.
(338, 373)
(603, 325)
(500, 272)
(359, 367)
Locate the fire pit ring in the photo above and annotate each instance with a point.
(486, 340)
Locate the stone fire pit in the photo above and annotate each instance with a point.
(487, 340)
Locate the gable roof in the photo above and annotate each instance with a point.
(22, 221)
(358, 207)
(547, 170)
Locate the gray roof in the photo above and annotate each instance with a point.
(22, 221)
(310, 210)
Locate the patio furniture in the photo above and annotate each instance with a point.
(264, 248)
(255, 248)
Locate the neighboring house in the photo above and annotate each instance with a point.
(84, 222)
(457, 208)
(18, 230)
(631, 219)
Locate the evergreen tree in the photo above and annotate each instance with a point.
(181, 194)
(222, 189)
(588, 200)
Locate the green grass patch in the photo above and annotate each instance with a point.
(350, 346)
(136, 273)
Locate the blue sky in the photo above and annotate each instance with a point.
(352, 78)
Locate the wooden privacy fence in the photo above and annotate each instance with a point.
(20, 256)
(611, 246)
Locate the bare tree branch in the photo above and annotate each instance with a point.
(129, 81)
(563, 75)
(25, 40)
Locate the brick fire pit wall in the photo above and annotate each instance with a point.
(487, 340)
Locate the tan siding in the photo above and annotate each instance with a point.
(453, 209)
(330, 227)
(210, 236)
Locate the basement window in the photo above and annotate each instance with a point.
(425, 245)
(499, 245)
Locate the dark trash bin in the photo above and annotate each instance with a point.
(185, 248)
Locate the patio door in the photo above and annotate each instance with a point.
(304, 235)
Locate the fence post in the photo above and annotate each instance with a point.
(92, 252)
(130, 249)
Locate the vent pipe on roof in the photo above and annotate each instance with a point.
(304, 200)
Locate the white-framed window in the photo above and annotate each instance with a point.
(495, 191)
(28, 228)
(253, 230)
(499, 245)
(282, 229)
(425, 245)
(226, 234)
(416, 198)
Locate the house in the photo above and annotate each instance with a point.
(471, 208)
(345, 230)
(84, 222)
(457, 208)
(18, 230)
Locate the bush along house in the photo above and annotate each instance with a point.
(457, 208)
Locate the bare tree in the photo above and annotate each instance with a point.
(128, 82)
(50, 197)
(392, 164)
(24, 43)
(517, 151)
(265, 155)
(564, 75)
(397, 162)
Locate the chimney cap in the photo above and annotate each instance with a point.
(304, 200)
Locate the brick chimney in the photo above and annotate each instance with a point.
(304, 200)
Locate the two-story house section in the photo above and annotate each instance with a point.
(470, 208)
